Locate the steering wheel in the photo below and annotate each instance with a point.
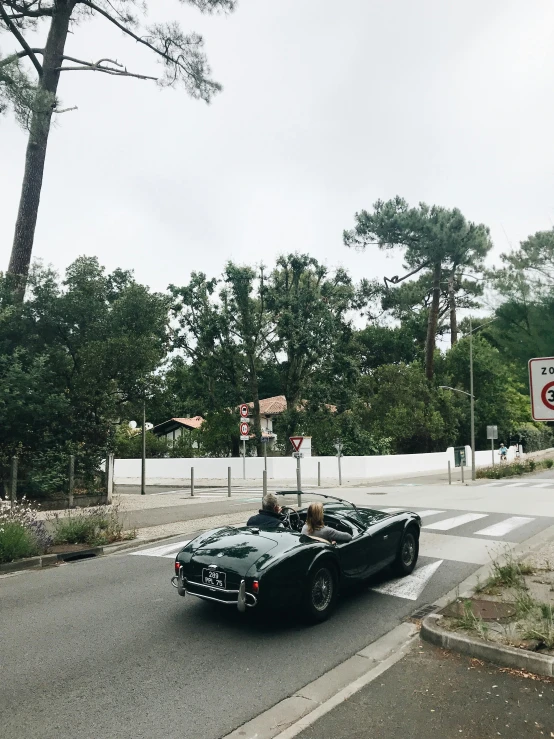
(292, 519)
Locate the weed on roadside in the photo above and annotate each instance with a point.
(21, 533)
(468, 621)
(95, 527)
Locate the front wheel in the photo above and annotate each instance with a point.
(406, 559)
(321, 593)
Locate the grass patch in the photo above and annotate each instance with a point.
(542, 626)
(16, 542)
(468, 621)
(93, 528)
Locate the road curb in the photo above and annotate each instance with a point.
(293, 714)
(519, 659)
(46, 560)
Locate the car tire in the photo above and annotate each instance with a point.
(321, 592)
(406, 558)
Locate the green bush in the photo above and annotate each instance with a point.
(94, 528)
(514, 468)
(16, 542)
(549, 463)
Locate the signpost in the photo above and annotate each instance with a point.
(244, 429)
(296, 442)
(492, 434)
(338, 446)
(541, 384)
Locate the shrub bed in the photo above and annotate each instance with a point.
(512, 469)
(21, 534)
(94, 528)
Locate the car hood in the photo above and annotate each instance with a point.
(232, 549)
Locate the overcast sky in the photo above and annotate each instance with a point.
(326, 107)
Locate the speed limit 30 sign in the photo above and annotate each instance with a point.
(541, 384)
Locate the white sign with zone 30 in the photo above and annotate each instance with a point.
(541, 384)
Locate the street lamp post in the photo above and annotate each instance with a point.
(463, 392)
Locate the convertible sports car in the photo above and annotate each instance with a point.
(249, 567)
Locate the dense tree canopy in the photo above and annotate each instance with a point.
(80, 356)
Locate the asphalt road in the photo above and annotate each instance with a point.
(106, 648)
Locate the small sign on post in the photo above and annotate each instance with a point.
(492, 434)
(244, 410)
(244, 429)
(296, 442)
(338, 446)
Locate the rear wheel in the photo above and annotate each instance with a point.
(321, 593)
(406, 558)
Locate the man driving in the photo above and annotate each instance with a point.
(269, 516)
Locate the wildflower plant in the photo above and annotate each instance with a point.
(22, 534)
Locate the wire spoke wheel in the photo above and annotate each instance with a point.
(322, 590)
(408, 550)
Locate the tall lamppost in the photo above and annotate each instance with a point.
(470, 394)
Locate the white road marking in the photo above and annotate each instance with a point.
(412, 586)
(473, 550)
(543, 484)
(516, 484)
(492, 484)
(453, 523)
(424, 514)
(504, 527)
(162, 551)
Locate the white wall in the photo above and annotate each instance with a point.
(177, 471)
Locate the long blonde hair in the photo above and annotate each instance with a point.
(314, 518)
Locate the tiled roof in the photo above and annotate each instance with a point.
(193, 423)
(271, 406)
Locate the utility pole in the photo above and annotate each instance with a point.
(143, 465)
(472, 401)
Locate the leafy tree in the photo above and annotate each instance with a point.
(529, 270)
(128, 444)
(71, 357)
(499, 397)
(246, 319)
(402, 407)
(379, 345)
(309, 309)
(433, 238)
(35, 98)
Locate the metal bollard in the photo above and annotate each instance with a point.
(71, 479)
(228, 482)
(264, 483)
(462, 468)
(449, 474)
(319, 474)
(298, 483)
(14, 481)
(192, 482)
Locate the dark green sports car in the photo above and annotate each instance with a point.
(249, 567)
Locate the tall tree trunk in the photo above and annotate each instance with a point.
(432, 322)
(254, 389)
(41, 119)
(452, 306)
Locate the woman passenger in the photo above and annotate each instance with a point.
(315, 526)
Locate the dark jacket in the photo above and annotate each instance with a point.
(265, 520)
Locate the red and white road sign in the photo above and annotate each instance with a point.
(244, 410)
(244, 429)
(296, 442)
(541, 384)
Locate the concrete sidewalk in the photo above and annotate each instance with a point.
(435, 693)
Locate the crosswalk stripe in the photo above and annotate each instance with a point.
(492, 484)
(168, 550)
(504, 527)
(518, 484)
(426, 514)
(543, 484)
(453, 523)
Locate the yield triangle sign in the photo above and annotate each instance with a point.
(296, 442)
(412, 586)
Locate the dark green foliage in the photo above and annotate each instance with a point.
(16, 542)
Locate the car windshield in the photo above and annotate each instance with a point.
(329, 502)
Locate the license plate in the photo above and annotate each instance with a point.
(213, 578)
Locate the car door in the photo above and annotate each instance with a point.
(354, 554)
(385, 538)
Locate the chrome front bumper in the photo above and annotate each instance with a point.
(243, 600)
